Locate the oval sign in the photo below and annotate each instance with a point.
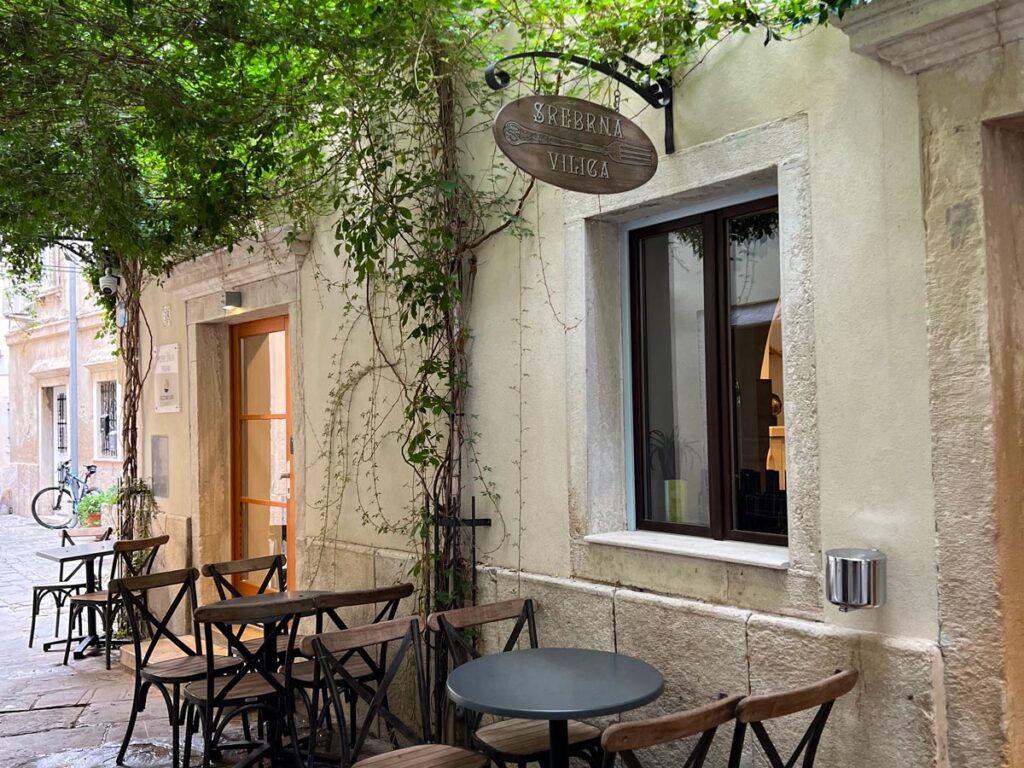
(575, 144)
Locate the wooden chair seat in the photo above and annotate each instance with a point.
(93, 598)
(426, 756)
(186, 669)
(303, 672)
(521, 738)
(251, 686)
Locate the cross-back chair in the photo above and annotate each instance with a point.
(270, 570)
(366, 667)
(132, 557)
(623, 739)
(754, 711)
(267, 572)
(403, 634)
(513, 740)
(254, 686)
(148, 630)
(61, 591)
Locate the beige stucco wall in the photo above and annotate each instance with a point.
(889, 451)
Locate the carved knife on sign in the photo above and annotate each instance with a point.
(575, 144)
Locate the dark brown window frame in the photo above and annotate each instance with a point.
(719, 375)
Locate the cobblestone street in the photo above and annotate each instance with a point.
(52, 716)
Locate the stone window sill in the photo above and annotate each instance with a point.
(739, 552)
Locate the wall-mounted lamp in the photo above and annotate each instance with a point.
(855, 578)
(232, 299)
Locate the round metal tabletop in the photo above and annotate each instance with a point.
(554, 683)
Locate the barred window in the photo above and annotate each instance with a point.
(107, 421)
(62, 423)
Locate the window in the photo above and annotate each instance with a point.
(62, 423)
(708, 424)
(106, 419)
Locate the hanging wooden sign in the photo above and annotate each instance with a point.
(575, 144)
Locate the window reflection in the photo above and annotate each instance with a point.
(759, 427)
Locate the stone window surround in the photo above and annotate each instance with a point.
(752, 162)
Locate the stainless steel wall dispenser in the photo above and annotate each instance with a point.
(855, 578)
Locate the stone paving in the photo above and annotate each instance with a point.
(52, 716)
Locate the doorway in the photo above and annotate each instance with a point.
(263, 516)
(53, 433)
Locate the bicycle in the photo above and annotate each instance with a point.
(57, 506)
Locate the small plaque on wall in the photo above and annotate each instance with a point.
(165, 372)
(161, 465)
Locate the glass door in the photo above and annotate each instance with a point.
(263, 515)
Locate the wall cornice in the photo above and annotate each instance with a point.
(277, 252)
(917, 35)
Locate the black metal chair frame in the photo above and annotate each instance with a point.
(808, 745)
(327, 606)
(62, 591)
(121, 568)
(341, 681)
(147, 628)
(218, 708)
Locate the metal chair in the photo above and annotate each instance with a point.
(254, 686)
(272, 568)
(269, 569)
(365, 667)
(332, 648)
(147, 630)
(756, 710)
(63, 590)
(623, 739)
(134, 557)
(513, 740)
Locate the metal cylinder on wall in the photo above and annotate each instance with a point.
(855, 578)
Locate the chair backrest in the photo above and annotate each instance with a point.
(136, 557)
(276, 618)
(448, 623)
(147, 627)
(755, 710)
(331, 648)
(624, 738)
(329, 604)
(70, 536)
(270, 567)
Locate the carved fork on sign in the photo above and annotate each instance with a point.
(619, 151)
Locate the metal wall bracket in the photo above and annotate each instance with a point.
(656, 92)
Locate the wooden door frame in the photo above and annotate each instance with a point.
(238, 332)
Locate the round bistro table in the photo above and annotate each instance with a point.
(557, 685)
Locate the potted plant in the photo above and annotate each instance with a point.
(90, 508)
(671, 455)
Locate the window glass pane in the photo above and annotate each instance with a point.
(675, 399)
(264, 460)
(759, 428)
(263, 372)
(264, 532)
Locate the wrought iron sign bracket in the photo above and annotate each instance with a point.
(656, 92)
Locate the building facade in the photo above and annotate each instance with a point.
(41, 403)
(858, 192)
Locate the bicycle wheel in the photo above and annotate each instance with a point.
(53, 507)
